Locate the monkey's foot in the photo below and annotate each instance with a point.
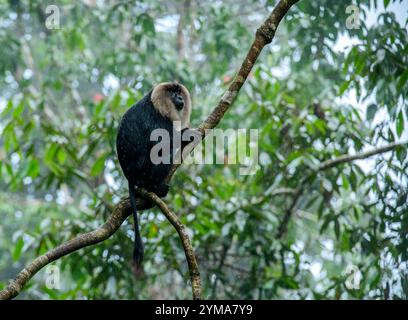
(162, 190)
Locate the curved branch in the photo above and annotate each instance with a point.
(181, 230)
(114, 221)
(264, 36)
(363, 155)
(327, 165)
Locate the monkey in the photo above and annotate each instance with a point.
(158, 109)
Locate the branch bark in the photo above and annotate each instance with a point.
(363, 155)
(264, 35)
(114, 221)
(181, 230)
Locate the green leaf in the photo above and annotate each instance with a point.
(371, 111)
(50, 152)
(33, 169)
(386, 3)
(98, 165)
(18, 249)
(7, 108)
(17, 111)
(402, 81)
(337, 228)
(344, 87)
(400, 123)
(345, 182)
(401, 153)
(345, 242)
(147, 23)
(51, 292)
(326, 222)
(61, 156)
(353, 180)
(289, 283)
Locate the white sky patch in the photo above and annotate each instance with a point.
(27, 74)
(344, 43)
(167, 24)
(298, 246)
(281, 72)
(3, 104)
(15, 160)
(315, 269)
(111, 180)
(328, 249)
(110, 82)
(61, 197)
(193, 201)
(399, 9)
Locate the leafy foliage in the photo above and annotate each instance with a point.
(62, 94)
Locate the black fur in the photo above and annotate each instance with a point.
(133, 147)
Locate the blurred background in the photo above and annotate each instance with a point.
(322, 89)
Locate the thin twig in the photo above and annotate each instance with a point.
(363, 155)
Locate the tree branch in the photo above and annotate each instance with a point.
(327, 165)
(363, 155)
(114, 221)
(264, 36)
(181, 230)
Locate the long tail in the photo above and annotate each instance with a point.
(138, 248)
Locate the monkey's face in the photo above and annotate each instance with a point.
(177, 99)
(177, 95)
(173, 101)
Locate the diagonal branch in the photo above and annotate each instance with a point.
(264, 35)
(114, 221)
(327, 165)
